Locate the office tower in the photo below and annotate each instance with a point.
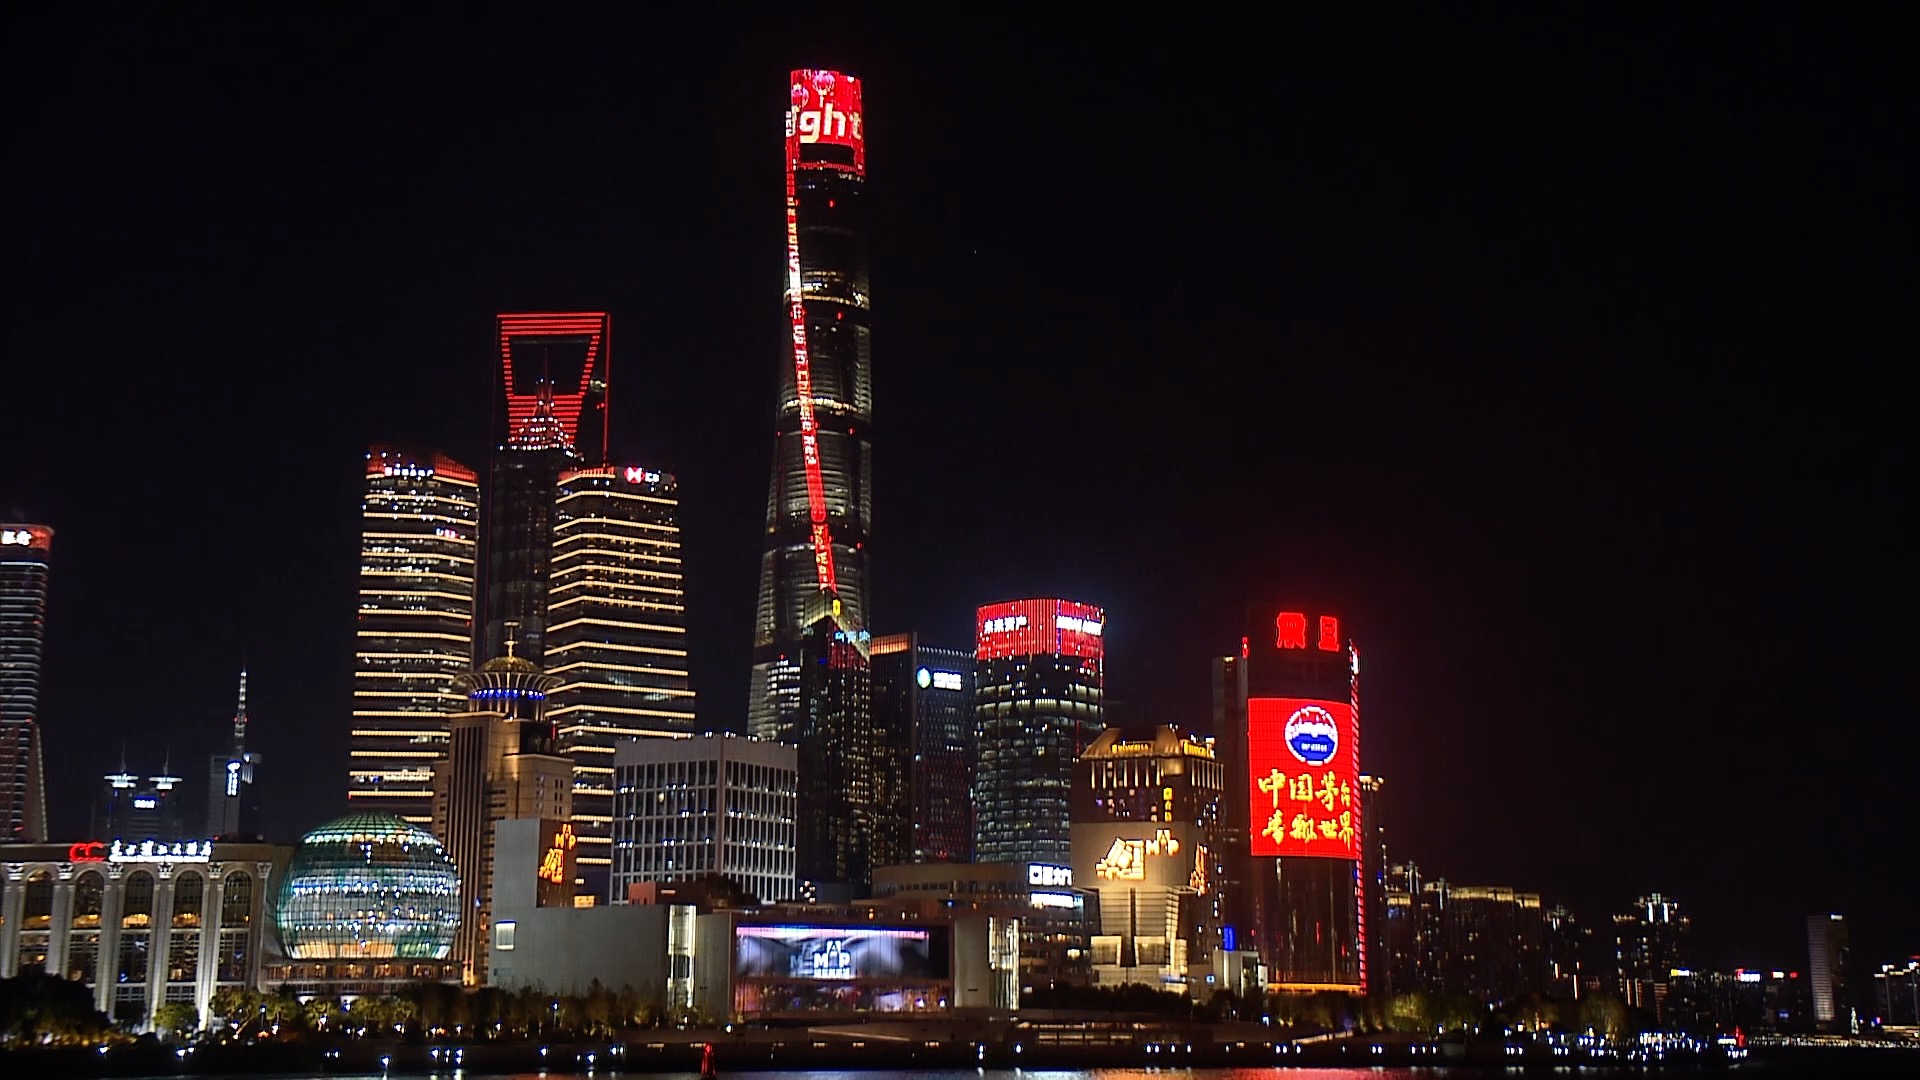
(553, 378)
(1650, 943)
(420, 515)
(1296, 716)
(1238, 907)
(1373, 870)
(233, 802)
(1896, 993)
(616, 636)
(503, 763)
(684, 809)
(819, 501)
(24, 551)
(138, 808)
(1037, 705)
(1406, 965)
(1569, 956)
(1493, 943)
(923, 713)
(1827, 965)
(837, 754)
(1146, 837)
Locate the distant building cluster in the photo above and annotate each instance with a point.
(895, 825)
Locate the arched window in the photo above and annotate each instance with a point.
(37, 909)
(236, 899)
(189, 896)
(138, 910)
(89, 896)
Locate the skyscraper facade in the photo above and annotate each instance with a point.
(503, 763)
(1292, 735)
(819, 500)
(838, 754)
(1146, 837)
(616, 636)
(139, 808)
(1649, 945)
(420, 521)
(233, 802)
(1039, 685)
(24, 551)
(1827, 954)
(553, 378)
(718, 804)
(923, 719)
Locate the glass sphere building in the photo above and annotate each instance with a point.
(369, 886)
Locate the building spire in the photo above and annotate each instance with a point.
(240, 716)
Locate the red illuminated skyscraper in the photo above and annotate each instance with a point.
(1039, 684)
(819, 501)
(1288, 716)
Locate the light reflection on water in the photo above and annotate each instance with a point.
(1327, 1073)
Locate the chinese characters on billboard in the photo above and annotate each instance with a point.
(1303, 758)
(1039, 628)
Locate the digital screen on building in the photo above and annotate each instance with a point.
(1303, 765)
(825, 111)
(839, 953)
(1039, 628)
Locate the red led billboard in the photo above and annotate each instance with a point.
(826, 112)
(1303, 765)
(1039, 628)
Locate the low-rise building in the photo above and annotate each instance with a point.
(141, 923)
(1056, 919)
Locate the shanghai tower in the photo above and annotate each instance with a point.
(820, 499)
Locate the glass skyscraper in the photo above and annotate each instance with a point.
(923, 724)
(24, 550)
(420, 522)
(1039, 684)
(819, 499)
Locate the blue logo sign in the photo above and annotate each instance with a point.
(1312, 735)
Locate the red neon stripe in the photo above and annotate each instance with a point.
(822, 536)
(568, 403)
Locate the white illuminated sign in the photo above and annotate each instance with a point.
(233, 779)
(1053, 899)
(946, 680)
(1006, 624)
(923, 677)
(1043, 874)
(1089, 627)
(148, 851)
(16, 536)
(635, 475)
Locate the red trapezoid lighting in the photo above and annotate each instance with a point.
(569, 395)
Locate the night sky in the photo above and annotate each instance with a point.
(1551, 355)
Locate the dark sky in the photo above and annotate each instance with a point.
(1551, 354)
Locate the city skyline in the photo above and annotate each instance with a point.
(1586, 559)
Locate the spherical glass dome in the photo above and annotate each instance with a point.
(369, 885)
